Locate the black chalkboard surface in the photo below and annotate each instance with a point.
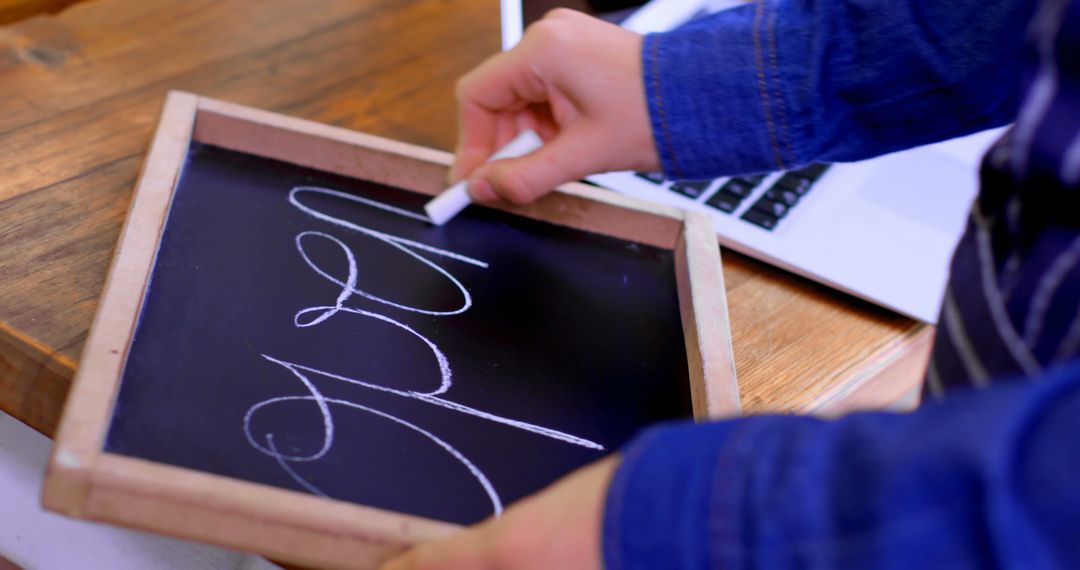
(309, 331)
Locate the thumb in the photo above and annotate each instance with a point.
(521, 180)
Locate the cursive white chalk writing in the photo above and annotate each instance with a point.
(317, 314)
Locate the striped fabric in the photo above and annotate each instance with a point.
(1012, 307)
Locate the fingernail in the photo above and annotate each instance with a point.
(481, 190)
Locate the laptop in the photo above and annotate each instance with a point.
(882, 229)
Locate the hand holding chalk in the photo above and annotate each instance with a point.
(454, 199)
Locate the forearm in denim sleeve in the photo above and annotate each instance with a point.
(778, 84)
(983, 479)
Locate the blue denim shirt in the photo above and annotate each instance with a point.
(981, 478)
(778, 84)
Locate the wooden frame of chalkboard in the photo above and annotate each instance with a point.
(84, 480)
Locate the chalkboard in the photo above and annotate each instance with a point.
(289, 359)
(313, 332)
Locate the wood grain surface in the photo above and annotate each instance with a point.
(82, 90)
(15, 10)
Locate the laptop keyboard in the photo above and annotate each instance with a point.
(692, 189)
(727, 195)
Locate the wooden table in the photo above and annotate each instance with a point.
(15, 10)
(81, 94)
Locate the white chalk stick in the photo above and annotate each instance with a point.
(448, 203)
(454, 199)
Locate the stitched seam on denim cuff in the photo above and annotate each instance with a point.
(613, 505)
(759, 64)
(781, 110)
(725, 550)
(654, 64)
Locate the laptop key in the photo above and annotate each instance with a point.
(812, 172)
(738, 187)
(751, 179)
(724, 202)
(691, 188)
(654, 177)
(760, 219)
(794, 183)
(775, 209)
(786, 197)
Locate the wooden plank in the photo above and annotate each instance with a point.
(796, 342)
(89, 409)
(349, 153)
(287, 525)
(56, 247)
(15, 10)
(600, 211)
(34, 385)
(106, 48)
(706, 324)
(891, 379)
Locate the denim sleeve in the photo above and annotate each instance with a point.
(781, 83)
(985, 479)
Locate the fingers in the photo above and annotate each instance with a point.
(523, 179)
(558, 527)
(476, 139)
(405, 561)
(467, 550)
(488, 97)
(577, 82)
